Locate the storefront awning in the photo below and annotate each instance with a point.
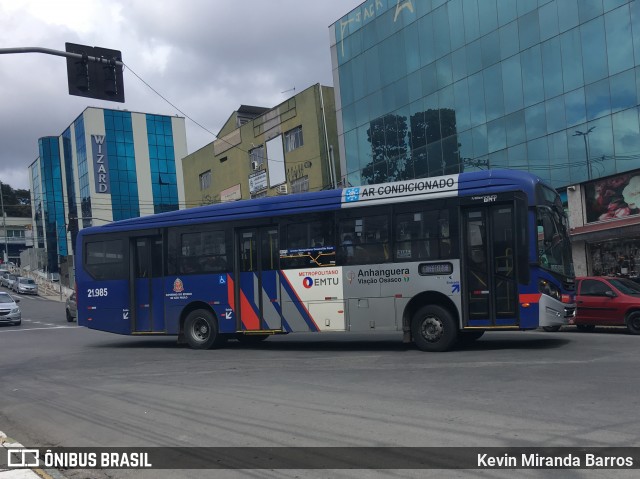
(607, 230)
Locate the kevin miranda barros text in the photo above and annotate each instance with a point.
(569, 460)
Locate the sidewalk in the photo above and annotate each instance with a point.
(47, 289)
(7, 443)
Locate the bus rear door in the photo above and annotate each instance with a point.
(489, 251)
(148, 306)
(257, 295)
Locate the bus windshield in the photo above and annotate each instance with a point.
(554, 248)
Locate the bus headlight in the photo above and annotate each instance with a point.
(545, 287)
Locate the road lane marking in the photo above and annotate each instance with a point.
(37, 329)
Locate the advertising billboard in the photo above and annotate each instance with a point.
(613, 197)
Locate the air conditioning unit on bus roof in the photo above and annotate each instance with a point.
(282, 189)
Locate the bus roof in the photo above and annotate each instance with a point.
(464, 184)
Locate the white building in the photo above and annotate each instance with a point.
(107, 165)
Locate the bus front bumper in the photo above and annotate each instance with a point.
(554, 312)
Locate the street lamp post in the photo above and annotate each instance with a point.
(584, 135)
(4, 226)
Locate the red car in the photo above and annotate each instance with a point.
(607, 301)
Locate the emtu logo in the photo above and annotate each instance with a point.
(307, 282)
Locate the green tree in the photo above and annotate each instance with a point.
(17, 203)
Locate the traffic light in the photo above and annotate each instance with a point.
(96, 74)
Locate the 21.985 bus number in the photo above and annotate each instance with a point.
(97, 293)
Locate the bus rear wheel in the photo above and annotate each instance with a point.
(433, 329)
(201, 330)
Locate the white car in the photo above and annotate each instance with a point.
(9, 310)
(25, 286)
(72, 308)
(9, 281)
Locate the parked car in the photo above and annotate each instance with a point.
(9, 310)
(9, 281)
(72, 308)
(3, 277)
(25, 286)
(607, 301)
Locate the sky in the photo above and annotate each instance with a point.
(206, 57)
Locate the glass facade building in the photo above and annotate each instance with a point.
(431, 87)
(108, 165)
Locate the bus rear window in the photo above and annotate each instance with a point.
(105, 259)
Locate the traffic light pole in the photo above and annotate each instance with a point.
(92, 72)
(49, 51)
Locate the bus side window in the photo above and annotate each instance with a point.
(202, 252)
(364, 240)
(308, 242)
(422, 235)
(106, 259)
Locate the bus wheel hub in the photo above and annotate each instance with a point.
(432, 329)
(201, 329)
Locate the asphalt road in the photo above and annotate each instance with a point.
(61, 385)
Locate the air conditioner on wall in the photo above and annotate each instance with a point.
(282, 189)
(254, 165)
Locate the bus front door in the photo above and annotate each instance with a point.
(257, 295)
(488, 255)
(148, 307)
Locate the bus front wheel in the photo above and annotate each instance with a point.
(201, 330)
(433, 329)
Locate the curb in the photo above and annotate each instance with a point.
(21, 473)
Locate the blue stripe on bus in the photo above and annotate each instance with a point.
(297, 302)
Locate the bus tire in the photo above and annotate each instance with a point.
(633, 322)
(201, 330)
(433, 329)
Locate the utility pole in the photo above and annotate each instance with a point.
(4, 226)
(584, 135)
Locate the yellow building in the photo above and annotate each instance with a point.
(266, 152)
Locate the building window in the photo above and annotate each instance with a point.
(205, 180)
(257, 157)
(300, 185)
(15, 233)
(293, 139)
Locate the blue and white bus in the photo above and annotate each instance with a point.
(441, 259)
